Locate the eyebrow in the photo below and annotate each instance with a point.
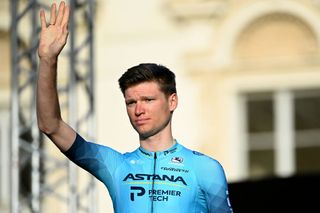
(141, 98)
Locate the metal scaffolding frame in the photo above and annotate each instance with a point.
(32, 163)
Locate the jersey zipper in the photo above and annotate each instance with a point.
(154, 173)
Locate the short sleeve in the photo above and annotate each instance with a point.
(99, 160)
(212, 180)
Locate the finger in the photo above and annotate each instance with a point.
(60, 13)
(43, 19)
(53, 13)
(65, 18)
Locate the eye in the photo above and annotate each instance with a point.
(148, 100)
(130, 103)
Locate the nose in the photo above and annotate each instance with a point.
(139, 109)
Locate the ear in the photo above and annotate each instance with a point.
(173, 101)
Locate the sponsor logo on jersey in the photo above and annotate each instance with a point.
(170, 151)
(172, 169)
(136, 190)
(153, 194)
(151, 177)
(177, 160)
(163, 195)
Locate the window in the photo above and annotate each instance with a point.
(283, 131)
(260, 134)
(307, 131)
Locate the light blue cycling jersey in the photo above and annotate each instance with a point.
(177, 180)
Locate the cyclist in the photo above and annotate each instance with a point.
(159, 176)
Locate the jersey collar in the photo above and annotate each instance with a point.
(162, 154)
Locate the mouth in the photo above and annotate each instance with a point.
(141, 121)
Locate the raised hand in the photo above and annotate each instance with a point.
(53, 37)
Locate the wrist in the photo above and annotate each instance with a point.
(49, 60)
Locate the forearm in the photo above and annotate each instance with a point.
(48, 109)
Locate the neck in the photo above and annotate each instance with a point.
(157, 143)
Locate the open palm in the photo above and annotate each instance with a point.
(54, 36)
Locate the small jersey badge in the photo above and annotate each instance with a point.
(177, 160)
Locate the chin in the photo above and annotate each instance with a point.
(145, 135)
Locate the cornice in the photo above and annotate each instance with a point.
(196, 9)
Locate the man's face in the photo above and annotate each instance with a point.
(148, 108)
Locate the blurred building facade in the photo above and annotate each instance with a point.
(247, 77)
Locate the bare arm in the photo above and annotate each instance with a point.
(52, 40)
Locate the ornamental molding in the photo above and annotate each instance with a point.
(197, 9)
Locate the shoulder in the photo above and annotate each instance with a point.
(130, 155)
(201, 158)
(207, 163)
(204, 164)
(82, 148)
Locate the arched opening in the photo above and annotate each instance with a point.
(276, 37)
